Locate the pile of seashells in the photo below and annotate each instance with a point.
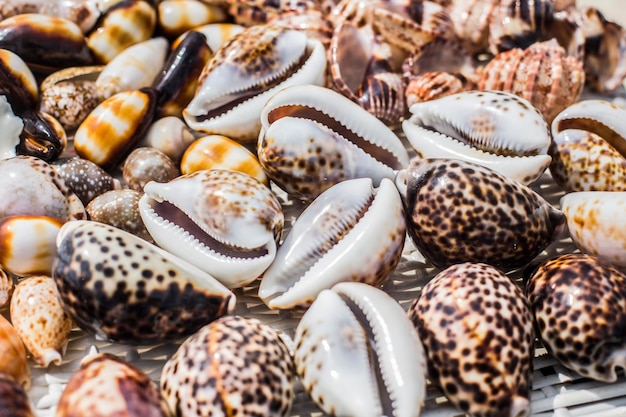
(150, 151)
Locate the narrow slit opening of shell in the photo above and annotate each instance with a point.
(385, 397)
(236, 98)
(311, 113)
(172, 214)
(611, 136)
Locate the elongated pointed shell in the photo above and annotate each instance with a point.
(28, 244)
(39, 319)
(458, 211)
(13, 355)
(351, 232)
(119, 287)
(224, 222)
(357, 354)
(477, 331)
(579, 305)
(313, 137)
(234, 366)
(495, 129)
(596, 223)
(105, 385)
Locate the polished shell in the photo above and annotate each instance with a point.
(86, 179)
(11, 126)
(170, 135)
(178, 16)
(120, 287)
(18, 82)
(14, 400)
(146, 164)
(13, 355)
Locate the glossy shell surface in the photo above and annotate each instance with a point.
(86, 178)
(13, 355)
(477, 331)
(234, 366)
(12, 126)
(146, 164)
(14, 401)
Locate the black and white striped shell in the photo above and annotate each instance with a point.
(458, 211)
(477, 331)
(122, 288)
(579, 306)
(234, 366)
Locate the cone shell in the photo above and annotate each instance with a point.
(39, 319)
(477, 331)
(13, 355)
(105, 385)
(579, 305)
(234, 366)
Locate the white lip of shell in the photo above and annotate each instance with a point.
(241, 120)
(11, 127)
(348, 114)
(233, 266)
(370, 325)
(304, 266)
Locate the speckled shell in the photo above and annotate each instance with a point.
(6, 288)
(28, 244)
(541, 74)
(47, 41)
(119, 208)
(13, 355)
(178, 16)
(477, 331)
(431, 86)
(462, 212)
(246, 71)
(105, 385)
(596, 223)
(224, 222)
(11, 126)
(579, 306)
(350, 232)
(84, 12)
(111, 129)
(220, 152)
(17, 82)
(495, 129)
(357, 354)
(14, 401)
(86, 179)
(39, 319)
(135, 292)
(126, 23)
(69, 94)
(39, 190)
(145, 164)
(313, 137)
(235, 367)
(133, 68)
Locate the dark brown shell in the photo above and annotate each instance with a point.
(14, 401)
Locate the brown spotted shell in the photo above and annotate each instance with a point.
(477, 331)
(119, 208)
(86, 179)
(146, 164)
(579, 305)
(542, 74)
(7, 285)
(105, 385)
(234, 366)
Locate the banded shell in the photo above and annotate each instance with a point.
(350, 232)
(86, 179)
(28, 244)
(470, 20)
(458, 212)
(122, 288)
(357, 354)
(14, 401)
(105, 385)
(498, 130)
(143, 165)
(13, 355)
(221, 152)
(11, 126)
(596, 223)
(251, 67)
(542, 74)
(234, 366)
(477, 331)
(84, 12)
(119, 208)
(38, 317)
(170, 135)
(579, 306)
(6, 288)
(39, 190)
(313, 137)
(178, 16)
(112, 128)
(431, 86)
(224, 222)
(18, 83)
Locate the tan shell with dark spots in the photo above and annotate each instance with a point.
(146, 164)
(477, 330)
(234, 366)
(579, 305)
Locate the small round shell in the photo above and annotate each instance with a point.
(234, 366)
(144, 164)
(39, 319)
(86, 179)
